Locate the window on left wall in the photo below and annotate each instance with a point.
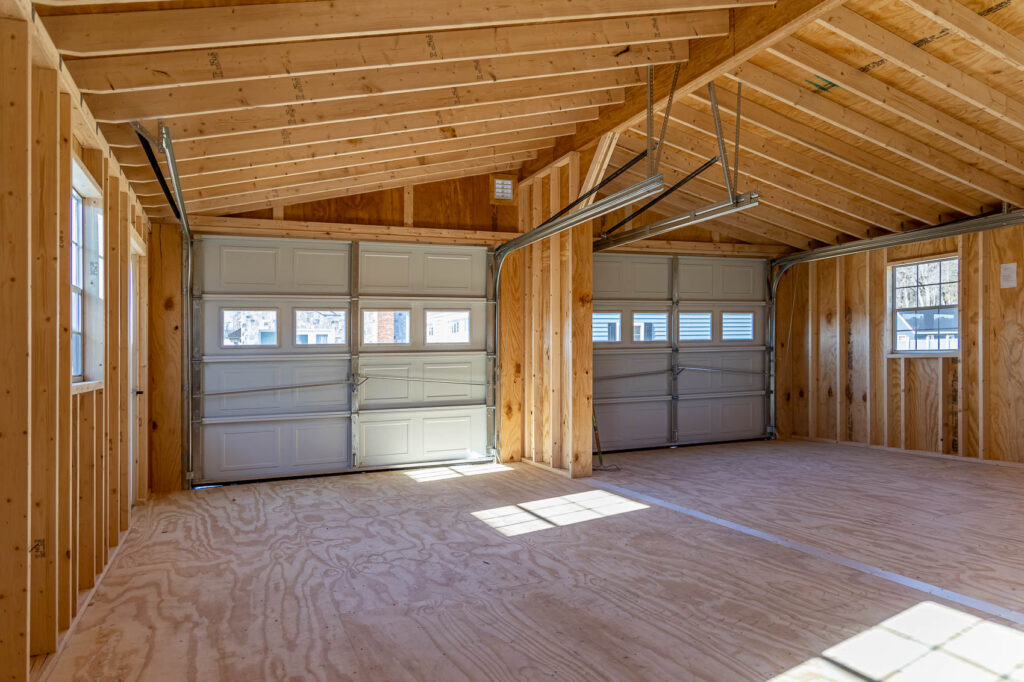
(86, 275)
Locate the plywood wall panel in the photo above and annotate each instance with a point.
(968, 402)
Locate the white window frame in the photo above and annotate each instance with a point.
(295, 328)
(242, 347)
(891, 310)
(79, 250)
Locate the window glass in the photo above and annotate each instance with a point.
(385, 326)
(447, 326)
(694, 326)
(320, 327)
(650, 326)
(737, 326)
(925, 296)
(606, 327)
(249, 327)
(77, 256)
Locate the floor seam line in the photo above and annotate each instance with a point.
(1011, 615)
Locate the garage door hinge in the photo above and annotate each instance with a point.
(189, 475)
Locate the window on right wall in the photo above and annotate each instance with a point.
(925, 300)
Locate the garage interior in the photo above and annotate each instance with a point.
(573, 339)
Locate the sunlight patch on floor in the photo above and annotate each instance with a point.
(928, 642)
(441, 473)
(556, 511)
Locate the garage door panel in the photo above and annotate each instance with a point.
(284, 309)
(248, 266)
(704, 419)
(633, 424)
(239, 376)
(419, 270)
(272, 266)
(245, 450)
(431, 380)
(396, 437)
(656, 366)
(320, 270)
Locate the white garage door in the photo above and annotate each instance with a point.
(318, 357)
(679, 354)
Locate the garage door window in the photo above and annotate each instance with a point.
(320, 328)
(447, 326)
(650, 326)
(606, 327)
(737, 326)
(694, 326)
(385, 326)
(248, 327)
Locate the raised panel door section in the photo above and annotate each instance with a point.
(323, 383)
(405, 437)
(427, 379)
(633, 424)
(422, 270)
(621, 277)
(233, 265)
(721, 279)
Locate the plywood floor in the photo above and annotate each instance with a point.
(519, 574)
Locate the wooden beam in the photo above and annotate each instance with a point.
(413, 175)
(127, 32)
(165, 370)
(112, 368)
(851, 156)
(964, 22)
(306, 193)
(857, 124)
(754, 29)
(439, 139)
(441, 124)
(408, 208)
(389, 104)
(520, 151)
(124, 361)
(598, 165)
(88, 423)
(906, 55)
(301, 229)
(67, 495)
(45, 353)
(15, 351)
(901, 104)
(136, 72)
(695, 248)
(336, 86)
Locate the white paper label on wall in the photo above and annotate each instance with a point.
(1008, 276)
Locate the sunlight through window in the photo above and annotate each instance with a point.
(925, 643)
(556, 511)
(441, 473)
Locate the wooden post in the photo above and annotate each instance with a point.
(45, 284)
(165, 370)
(123, 360)
(87, 429)
(68, 504)
(15, 351)
(553, 327)
(112, 383)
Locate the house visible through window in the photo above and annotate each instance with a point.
(447, 326)
(249, 327)
(650, 326)
(925, 306)
(77, 285)
(606, 327)
(320, 327)
(385, 326)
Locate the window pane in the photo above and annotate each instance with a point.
(904, 341)
(906, 298)
(447, 326)
(76, 355)
(737, 326)
(76, 311)
(605, 327)
(325, 327)
(950, 270)
(694, 326)
(947, 318)
(385, 326)
(906, 276)
(928, 273)
(249, 327)
(650, 326)
(928, 295)
(950, 294)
